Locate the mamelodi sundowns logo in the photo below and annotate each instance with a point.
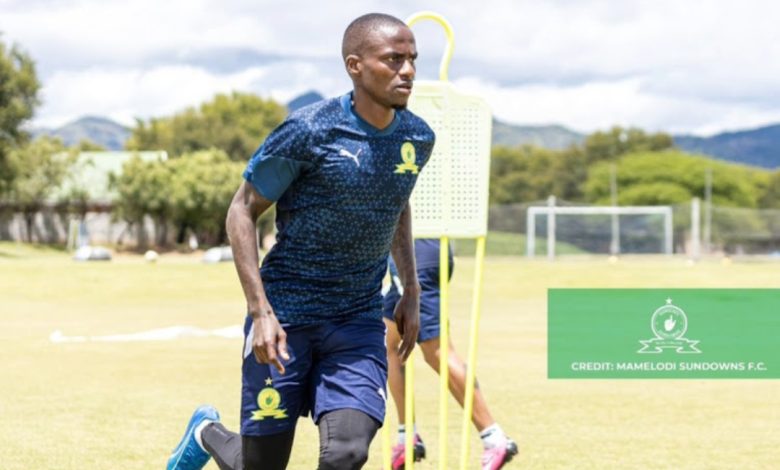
(624, 333)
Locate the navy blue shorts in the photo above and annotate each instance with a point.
(429, 303)
(332, 366)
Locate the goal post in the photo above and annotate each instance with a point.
(552, 213)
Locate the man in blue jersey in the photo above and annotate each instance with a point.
(340, 172)
(498, 448)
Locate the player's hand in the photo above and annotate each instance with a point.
(407, 319)
(270, 340)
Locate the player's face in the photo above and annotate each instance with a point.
(388, 68)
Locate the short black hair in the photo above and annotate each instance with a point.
(361, 27)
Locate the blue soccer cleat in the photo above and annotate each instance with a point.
(188, 455)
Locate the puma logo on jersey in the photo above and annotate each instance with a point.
(348, 154)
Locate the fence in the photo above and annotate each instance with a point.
(696, 230)
(720, 230)
(51, 226)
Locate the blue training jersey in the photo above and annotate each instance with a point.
(340, 185)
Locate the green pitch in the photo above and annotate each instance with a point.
(124, 405)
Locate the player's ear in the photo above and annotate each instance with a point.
(354, 65)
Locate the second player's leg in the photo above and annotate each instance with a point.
(395, 376)
(457, 381)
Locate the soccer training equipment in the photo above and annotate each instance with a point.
(188, 455)
(451, 200)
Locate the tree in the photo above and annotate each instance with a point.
(190, 193)
(672, 177)
(86, 145)
(39, 167)
(771, 194)
(529, 173)
(143, 189)
(618, 141)
(235, 123)
(202, 186)
(19, 87)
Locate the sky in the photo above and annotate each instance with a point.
(691, 66)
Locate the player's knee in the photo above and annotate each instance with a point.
(431, 356)
(433, 361)
(343, 455)
(344, 439)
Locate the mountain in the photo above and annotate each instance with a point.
(551, 137)
(758, 147)
(304, 100)
(99, 130)
(112, 135)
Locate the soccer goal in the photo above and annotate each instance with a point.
(599, 229)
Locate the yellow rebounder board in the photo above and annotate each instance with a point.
(450, 200)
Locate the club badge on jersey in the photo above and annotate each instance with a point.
(409, 156)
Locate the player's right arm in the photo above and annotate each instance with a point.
(270, 340)
(281, 160)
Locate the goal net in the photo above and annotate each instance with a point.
(599, 230)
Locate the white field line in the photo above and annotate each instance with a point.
(159, 334)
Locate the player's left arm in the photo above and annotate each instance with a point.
(407, 310)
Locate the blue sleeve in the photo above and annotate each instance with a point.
(284, 155)
(425, 139)
(428, 148)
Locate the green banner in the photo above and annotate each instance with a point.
(663, 333)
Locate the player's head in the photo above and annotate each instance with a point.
(379, 52)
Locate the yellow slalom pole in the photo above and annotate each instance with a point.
(386, 449)
(444, 349)
(444, 269)
(444, 65)
(471, 364)
(409, 412)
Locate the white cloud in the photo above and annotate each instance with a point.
(677, 65)
(124, 94)
(600, 105)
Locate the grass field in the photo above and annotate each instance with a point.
(124, 405)
(513, 244)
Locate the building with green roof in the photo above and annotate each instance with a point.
(91, 173)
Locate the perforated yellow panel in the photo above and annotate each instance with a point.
(451, 196)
